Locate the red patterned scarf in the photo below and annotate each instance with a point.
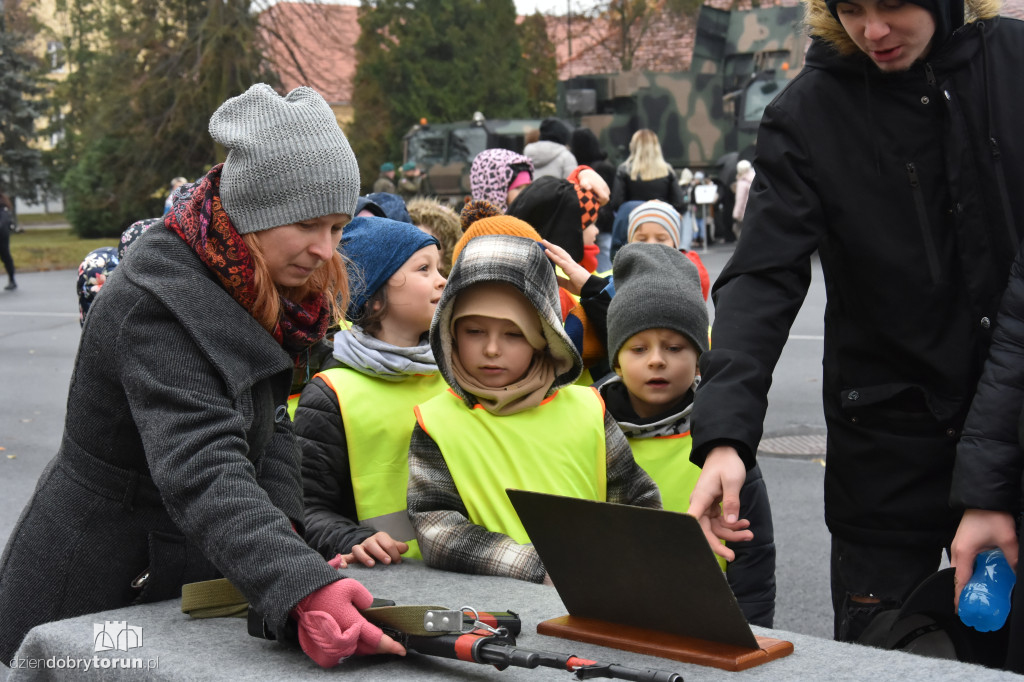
(198, 217)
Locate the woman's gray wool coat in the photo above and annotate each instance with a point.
(176, 460)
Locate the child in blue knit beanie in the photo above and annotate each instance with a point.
(355, 418)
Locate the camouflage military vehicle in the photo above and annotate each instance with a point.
(445, 151)
(741, 60)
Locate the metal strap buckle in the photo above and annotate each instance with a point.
(454, 621)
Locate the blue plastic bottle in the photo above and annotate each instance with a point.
(985, 601)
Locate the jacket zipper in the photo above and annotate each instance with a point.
(1004, 199)
(922, 222)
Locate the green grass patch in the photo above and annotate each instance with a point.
(26, 219)
(35, 250)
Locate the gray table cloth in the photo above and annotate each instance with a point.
(176, 647)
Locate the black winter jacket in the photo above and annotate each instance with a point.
(665, 188)
(899, 181)
(989, 472)
(330, 501)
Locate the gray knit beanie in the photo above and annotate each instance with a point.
(287, 159)
(656, 287)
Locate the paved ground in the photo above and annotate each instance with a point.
(39, 333)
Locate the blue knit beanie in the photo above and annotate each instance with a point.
(375, 249)
(392, 205)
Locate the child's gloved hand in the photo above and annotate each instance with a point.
(331, 628)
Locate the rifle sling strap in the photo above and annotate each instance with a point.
(213, 599)
(220, 599)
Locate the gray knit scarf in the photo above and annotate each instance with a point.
(373, 357)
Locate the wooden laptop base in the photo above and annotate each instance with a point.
(665, 645)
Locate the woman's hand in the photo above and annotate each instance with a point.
(576, 273)
(331, 628)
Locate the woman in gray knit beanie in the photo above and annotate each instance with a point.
(178, 462)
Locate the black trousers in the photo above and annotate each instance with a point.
(888, 574)
(5, 253)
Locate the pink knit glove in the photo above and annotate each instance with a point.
(331, 628)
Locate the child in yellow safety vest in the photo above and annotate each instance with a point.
(354, 418)
(511, 419)
(657, 330)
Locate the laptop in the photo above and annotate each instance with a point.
(645, 568)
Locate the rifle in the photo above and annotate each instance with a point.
(497, 646)
(483, 637)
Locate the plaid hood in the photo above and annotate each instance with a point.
(521, 263)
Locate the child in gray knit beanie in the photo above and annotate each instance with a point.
(657, 331)
(287, 159)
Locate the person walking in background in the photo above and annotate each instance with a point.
(891, 157)
(385, 182)
(6, 228)
(175, 184)
(178, 462)
(702, 200)
(744, 179)
(550, 154)
(645, 175)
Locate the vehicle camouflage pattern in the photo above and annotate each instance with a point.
(741, 60)
(445, 151)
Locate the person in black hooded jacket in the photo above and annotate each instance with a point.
(889, 155)
(988, 479)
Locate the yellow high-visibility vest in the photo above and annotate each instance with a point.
(557, 447)
(379, 419)
(666, 459)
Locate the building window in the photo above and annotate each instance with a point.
(55, 55)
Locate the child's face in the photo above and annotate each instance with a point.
(652, 233)
(493, 351)
(414, 290)
(658, 367)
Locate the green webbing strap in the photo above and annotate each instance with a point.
(220, 599)
(407, 619)
(213, 599)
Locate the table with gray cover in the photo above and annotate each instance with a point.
(177, 647)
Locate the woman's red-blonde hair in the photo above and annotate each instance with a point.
(331, 278)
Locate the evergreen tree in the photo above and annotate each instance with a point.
(541, 65)
(441, 60)
(146, 75)
(21, 169)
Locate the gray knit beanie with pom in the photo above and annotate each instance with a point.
(287, 159)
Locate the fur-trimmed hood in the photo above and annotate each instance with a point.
(823, 25)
